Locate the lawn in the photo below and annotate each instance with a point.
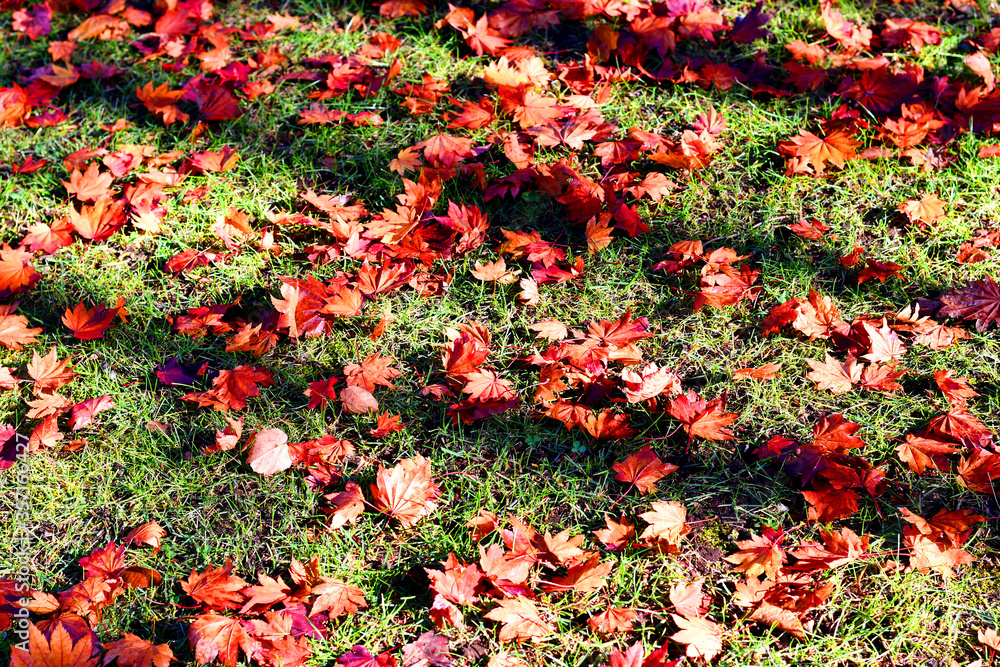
(551, 332)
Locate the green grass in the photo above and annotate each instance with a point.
(215, 507)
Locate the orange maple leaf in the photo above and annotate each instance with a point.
(16, 272)
(337, 598)
(406, 492)
(60, 645)
(90, 185)
(48, 372)
(14, 330)
(374, 370)
(642, 470)
(831, 374)
(667, 524)
(98, 222)
(220, 637)
(835, 148)
(346, 506)
(527, 107)
(131, 651)
(521, 620)
(216, 588)
(161, 101)
(761, 554)
(924, 211)
(613, 621)
(702, 636)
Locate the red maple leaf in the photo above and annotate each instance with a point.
(979, 300)
(835, 148)
(91, 323)
(527, 107)
(230, 389)
(642, 470)
(701, 419)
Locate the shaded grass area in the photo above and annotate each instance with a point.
(216, 508)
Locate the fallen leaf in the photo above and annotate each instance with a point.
(406, 492)
(269, 453)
